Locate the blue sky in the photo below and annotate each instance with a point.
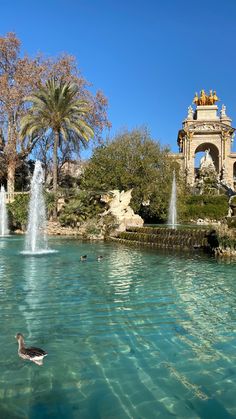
(148, 57)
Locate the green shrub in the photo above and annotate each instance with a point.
(50, 203)
(214, 207)
(109, 224)
(92, 229)
(81, 207)
(231, 222)
(18, 211)
(233, 200)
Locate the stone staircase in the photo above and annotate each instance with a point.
(181, 238)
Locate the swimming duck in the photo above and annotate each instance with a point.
(83, 258)
(33, 354)
(99, 258)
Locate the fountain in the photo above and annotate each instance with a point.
(3, 213)
(36, 236)
(172, 214)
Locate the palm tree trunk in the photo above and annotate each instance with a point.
(55, 147)
(11, 168)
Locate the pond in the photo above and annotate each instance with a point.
(139, 334)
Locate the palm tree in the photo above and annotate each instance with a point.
(56, 108)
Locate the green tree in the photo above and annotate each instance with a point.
(56, 107)
(132, 160)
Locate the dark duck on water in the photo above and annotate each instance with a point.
(33, 354)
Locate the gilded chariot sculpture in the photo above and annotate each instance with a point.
(205, 99)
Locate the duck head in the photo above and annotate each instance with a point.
(19, 337)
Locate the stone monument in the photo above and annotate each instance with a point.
(204, 130)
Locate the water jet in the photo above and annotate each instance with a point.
(4, 231)
(172, 213)
(36, 235)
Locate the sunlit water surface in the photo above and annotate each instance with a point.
(140, 334)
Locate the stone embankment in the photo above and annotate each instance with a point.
(227, 252)
(54, 228)
(182, 238)
(223, 242)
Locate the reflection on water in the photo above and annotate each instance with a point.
(141, 334)
(33, 285)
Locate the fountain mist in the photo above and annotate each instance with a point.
(172, 214)
(3, 213)
(36, 236)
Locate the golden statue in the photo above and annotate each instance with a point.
(215, 97)
(210, 99)
(204, 99)
(196, 99)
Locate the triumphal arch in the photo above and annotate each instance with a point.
(207, 130)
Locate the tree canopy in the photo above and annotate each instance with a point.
(19, 76)
(55, 107)
(133, 160)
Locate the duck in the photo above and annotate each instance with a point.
(99, 258)
(83, 258)
(33, 354)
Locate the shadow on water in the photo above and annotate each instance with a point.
(52, 402)
(210, 408)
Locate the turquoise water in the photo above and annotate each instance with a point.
(140, 334)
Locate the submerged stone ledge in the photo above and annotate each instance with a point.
(183, 238)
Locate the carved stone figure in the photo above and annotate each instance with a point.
(224, 172)
(206, 161)
(223, 111)
(190, 112)
(180, 145)
(119, 207)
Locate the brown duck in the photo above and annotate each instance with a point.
(33, 354)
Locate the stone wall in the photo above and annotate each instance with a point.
(55, 229)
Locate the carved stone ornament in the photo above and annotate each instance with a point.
(226, 135)
(207, 127)
(189, 135)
